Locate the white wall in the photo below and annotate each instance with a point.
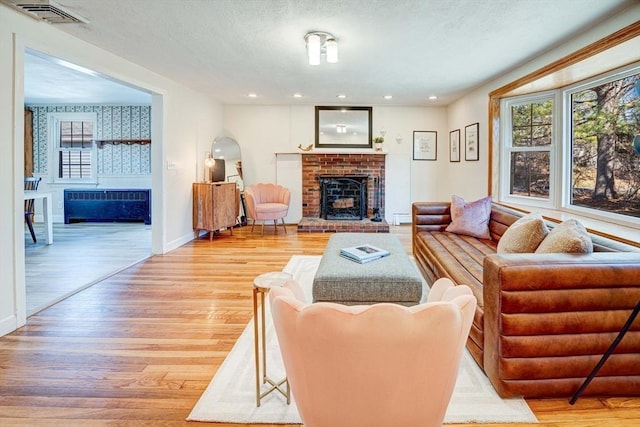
(468, 179)
(263, 131)
(184, 123)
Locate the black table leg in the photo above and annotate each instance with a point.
(606, 355)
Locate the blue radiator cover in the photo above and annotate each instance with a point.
(107, 205)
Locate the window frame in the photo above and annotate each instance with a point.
(567, 133)
(506, 148)
(53, 138)
(561, 163)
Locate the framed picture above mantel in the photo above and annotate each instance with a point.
(343, 127)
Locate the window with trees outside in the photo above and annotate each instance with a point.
(595, 164)
(74, 146)
(529, 147)
(605, 169)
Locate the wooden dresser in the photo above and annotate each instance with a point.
(215, 206)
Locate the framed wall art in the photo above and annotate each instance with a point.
(425, 145)
(471, 142)
(454, 145)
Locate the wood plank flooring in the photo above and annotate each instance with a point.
(139, 348)
(81, 255)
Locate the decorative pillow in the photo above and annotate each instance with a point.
(470, 218)
(524, 235)
(569, 236)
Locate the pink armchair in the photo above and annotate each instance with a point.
(376, 365)
(267, 202)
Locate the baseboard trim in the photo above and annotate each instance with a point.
(8, 325)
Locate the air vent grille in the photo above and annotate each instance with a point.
(47, 10)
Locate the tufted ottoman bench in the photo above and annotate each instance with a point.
(393, 278)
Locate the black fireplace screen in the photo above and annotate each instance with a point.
(343, 197)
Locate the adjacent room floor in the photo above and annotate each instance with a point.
(81, 255)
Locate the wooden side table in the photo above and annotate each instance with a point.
(215, 206)
(261, 285)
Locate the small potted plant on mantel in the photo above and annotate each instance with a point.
(377, 143)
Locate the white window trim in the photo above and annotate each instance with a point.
(53, 120)
(506, 149)
(566, 205)
(561, 159)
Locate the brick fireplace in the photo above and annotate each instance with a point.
(369, 165)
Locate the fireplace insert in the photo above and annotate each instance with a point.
(343, 197)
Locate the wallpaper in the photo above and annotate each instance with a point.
(114, 122)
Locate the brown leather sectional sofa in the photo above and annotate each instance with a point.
(543, 321)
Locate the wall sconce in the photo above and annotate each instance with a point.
(399, 139)
(319, 42)
(209, 163)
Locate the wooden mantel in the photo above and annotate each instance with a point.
(326, 151)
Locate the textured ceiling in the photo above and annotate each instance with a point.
(410, 49)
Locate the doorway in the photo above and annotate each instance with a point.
(83, 253)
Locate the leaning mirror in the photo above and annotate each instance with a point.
(343, 127)
(228, 167)
(228, 161)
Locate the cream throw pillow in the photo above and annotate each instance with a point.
(569, 236)
(524, 235)
(470, 218)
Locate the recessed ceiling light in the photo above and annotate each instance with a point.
(297, 95)
(433, 97)
(252, 95)
(388, 96)
(342, 96)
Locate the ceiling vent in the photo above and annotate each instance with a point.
(46, 10)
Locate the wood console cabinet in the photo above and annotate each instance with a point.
(215, 206)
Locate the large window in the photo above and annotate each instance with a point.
(72, 139)
(605, 169)
(598, 170)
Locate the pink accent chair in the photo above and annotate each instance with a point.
(267, 202)
(377, 365)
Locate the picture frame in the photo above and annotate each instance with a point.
(425, 145)
(471, 142)
(237, 179)
(454, 145)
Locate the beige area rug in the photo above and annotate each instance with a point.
(230, 397)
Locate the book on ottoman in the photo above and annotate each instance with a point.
(363, 253)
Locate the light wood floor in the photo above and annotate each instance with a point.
(81, 254)
(139, 348)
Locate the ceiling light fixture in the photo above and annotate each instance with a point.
(433, 97)
(319, 42)
(388, 97)
(341, 96)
